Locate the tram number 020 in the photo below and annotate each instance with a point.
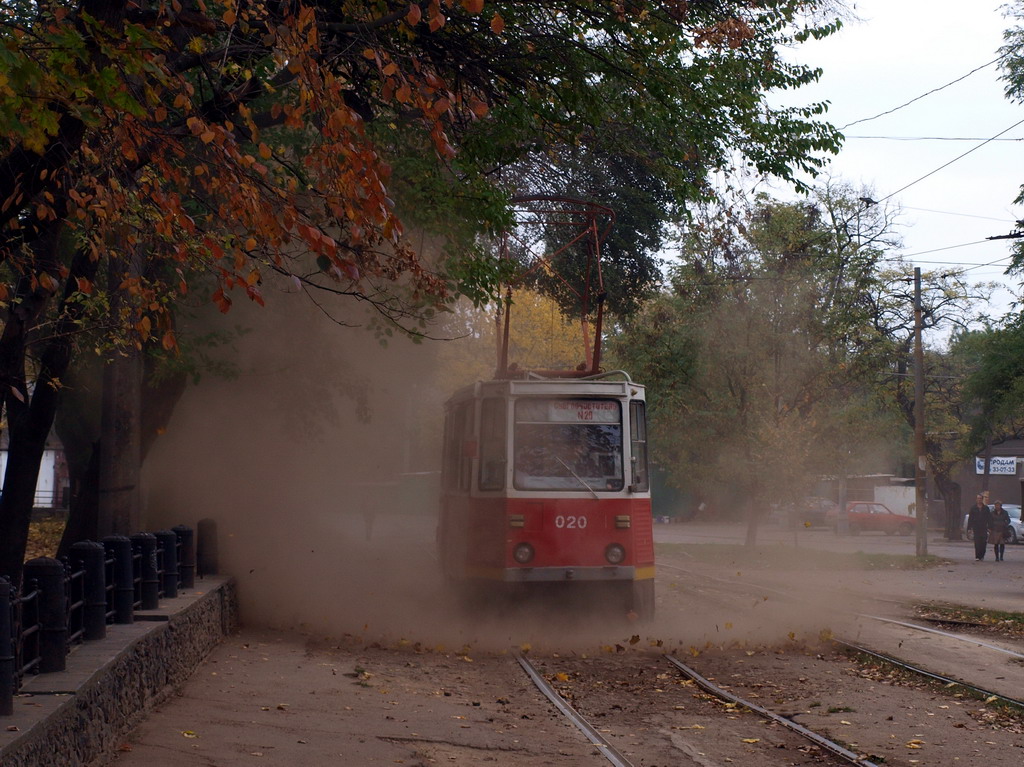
(570, 522)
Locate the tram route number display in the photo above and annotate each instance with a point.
(582, 411)
(570, 522)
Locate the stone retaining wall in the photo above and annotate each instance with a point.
(80, 716)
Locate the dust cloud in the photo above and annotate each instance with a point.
(320, 464)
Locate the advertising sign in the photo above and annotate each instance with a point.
(997, 465)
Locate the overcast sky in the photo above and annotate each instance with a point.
(900, 50)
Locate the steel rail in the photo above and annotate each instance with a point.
(607, 749)
(812, 736)
(930, 674)
(947, 634)
(880, 619)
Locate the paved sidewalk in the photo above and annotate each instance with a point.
(267, 698)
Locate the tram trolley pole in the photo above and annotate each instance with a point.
(7, 680)
(167, 541)
(119, 548)
(48, 573)
(149, 570)
(91, 556)
(187, 556)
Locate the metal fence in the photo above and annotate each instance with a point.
(66, 602)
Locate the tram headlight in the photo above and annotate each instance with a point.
(523, 553)
(615, 554)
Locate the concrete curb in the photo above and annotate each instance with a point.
(80, 716)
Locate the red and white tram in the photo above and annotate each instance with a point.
(545, 481)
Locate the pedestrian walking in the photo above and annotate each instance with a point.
(978, 522)
(999, 530)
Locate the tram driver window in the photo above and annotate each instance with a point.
(568, 444)
(640, 481)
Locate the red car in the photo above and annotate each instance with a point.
(870, 515)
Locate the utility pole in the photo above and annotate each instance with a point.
(921, 462)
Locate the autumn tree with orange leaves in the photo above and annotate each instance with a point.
(155, 152)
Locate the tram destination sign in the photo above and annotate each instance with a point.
(568, 411)
(583, 411)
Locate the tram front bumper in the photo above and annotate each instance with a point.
(565, 574)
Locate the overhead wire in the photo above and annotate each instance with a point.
(946, 165)
(965, 215)
(932, 138)
(929, 93)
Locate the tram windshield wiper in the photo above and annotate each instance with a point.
(577, 476)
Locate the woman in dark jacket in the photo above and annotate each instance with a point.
(977, 522)
(999, 530)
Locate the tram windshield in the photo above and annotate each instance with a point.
(568, 444)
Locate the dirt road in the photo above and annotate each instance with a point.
(308, 698)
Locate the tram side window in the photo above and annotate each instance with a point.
(492, 444)
(638, 445)
(446, 454)
(458, 457)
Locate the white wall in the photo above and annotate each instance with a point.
(899, 498)
(45, 489)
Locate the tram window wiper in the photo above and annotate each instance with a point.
(577, 476)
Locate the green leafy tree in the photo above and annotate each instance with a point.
(153, 152)
(758, 358)
(1012, 65)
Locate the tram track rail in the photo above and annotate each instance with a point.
(947, 634)
(609, 751)
(981, 692)
(901, 663)
(820, 740)
(738, 587)
(618, 759)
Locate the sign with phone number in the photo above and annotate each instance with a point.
(996, 465)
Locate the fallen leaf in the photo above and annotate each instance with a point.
(189, 734)
(751, 740)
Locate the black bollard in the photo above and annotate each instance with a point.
(119, 548)
(49, 576)
(145, 544)
(90, 556)
(7, 679)
(206, 547)
(168, 543)
(187, 560)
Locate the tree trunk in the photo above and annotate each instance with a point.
(83, 521)
(753, 519)
(30, 419)
(120, 498)
(950, 492)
